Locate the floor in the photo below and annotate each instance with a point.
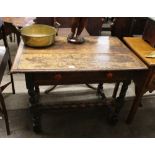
(74, 122)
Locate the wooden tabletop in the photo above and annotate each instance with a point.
(141, 48)
(96, 54)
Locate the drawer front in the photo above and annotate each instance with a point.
(80, 77)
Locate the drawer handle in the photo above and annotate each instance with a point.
(109, 75)
(58, 77)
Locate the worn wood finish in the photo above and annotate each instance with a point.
(98, 60)
(142, 48)
(97, 54)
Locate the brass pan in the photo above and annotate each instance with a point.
(38, 35)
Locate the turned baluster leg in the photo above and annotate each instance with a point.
(100, 91)
(115, 90)
(118, 104)
(37, 90)
(120, 99)
(33, 102)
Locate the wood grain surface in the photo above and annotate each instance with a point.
(97, 53)
(141, 48)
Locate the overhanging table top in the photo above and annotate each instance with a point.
(96, 54)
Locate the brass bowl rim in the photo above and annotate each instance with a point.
(47, 35)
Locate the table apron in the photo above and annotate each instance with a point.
(62, 78)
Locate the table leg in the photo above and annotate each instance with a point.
(118, 104)
(100, 91)
(115, 90)
(135, 106)
(120, 100)
(33, 102)
(37, 90)
(140, 84)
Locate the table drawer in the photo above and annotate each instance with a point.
(80, 77)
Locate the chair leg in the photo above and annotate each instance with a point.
(4, 111)
(18, 37)
(11, 76)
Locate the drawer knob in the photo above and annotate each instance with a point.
(58, 77)
(109, 75)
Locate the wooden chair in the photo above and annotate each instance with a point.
(10, 30)
(149, 32)
(139, 25)
(128, 26)
(122, 26)
(2, 32)
(4, 57)
(125, 27)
